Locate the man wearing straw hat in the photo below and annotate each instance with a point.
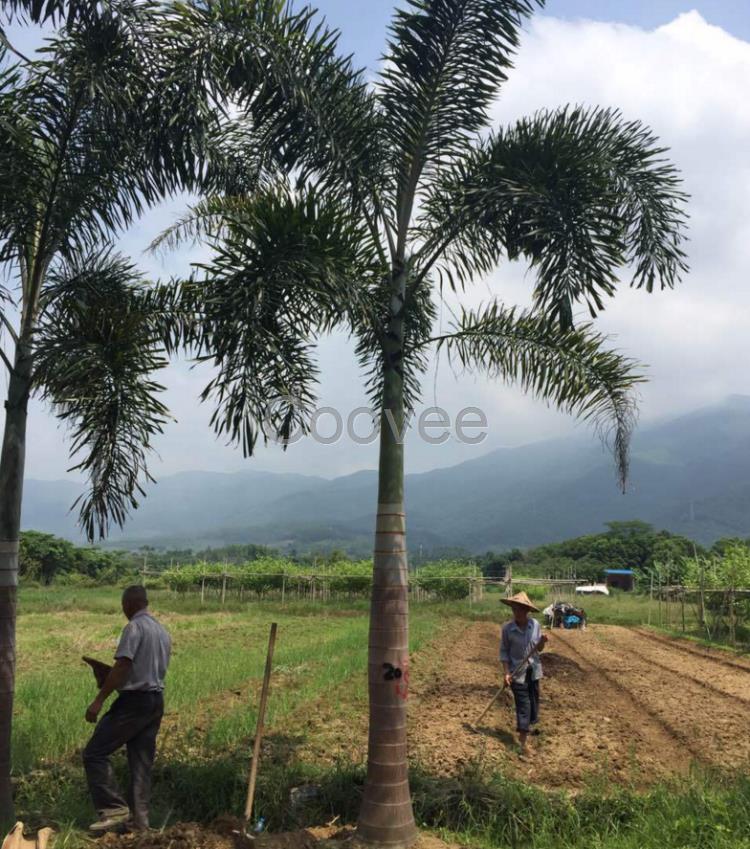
(520, 644)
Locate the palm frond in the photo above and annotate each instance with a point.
(206, 220)
(571, 369)
(288, 266)
(40, 11)
(302, 101)
(445, 63)
(97, 349)
(578, 192)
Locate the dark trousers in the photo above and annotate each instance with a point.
(526, 695)
(132, 721)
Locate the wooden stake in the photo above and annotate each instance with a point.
(682, 599)
(259, 728)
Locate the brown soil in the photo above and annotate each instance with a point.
(228, 834)
(614, 704)
(723, 658)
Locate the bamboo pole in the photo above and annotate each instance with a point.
(259, 728)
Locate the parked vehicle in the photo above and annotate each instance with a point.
(593, 589)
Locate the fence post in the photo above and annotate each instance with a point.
(703, 591)
(203, 589)
(283, 587)
(650, 598)
(223, 588)
(682, 599)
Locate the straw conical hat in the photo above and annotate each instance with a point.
(520, 598)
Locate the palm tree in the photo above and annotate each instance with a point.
(103, 121)
(380, 196)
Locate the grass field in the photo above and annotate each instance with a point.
(315, 728)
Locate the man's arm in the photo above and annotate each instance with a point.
(116, 679)
(505, 657)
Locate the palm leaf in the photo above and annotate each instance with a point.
(289, 265)
(445, 63)
(579, 193)
(568, 368)
(97, 350)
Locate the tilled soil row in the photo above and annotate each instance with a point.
(644, 709)
(697, 700)
(701, 669)
(695, 650)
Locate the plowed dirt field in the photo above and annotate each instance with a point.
(621, 704)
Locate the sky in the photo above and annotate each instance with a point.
(682, 67)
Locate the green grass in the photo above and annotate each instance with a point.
(215, 651)
(319, 664)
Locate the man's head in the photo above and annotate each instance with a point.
(521, 605)
(134, 599)
(520, 613)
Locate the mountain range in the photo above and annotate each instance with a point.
(689, 475)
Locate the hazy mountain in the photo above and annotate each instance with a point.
(690, 475)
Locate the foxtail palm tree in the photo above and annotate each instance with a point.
(380, 196)
(103, 121)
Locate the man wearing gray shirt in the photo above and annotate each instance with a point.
(141, 661)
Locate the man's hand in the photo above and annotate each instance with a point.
(508, 679)
(93, 710)
(544, 639)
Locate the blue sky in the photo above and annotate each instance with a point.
(363, 23)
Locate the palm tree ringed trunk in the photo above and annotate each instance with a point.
(12, 461)
(386, 817)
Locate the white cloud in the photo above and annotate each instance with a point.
(688, 81)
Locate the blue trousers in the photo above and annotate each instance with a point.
(526, 696)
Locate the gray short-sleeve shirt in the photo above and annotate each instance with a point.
(515, 642)
(148, 645)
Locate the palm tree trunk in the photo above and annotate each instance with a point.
(12, 461)
(386, 817)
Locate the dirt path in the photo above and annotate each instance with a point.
(615, 705)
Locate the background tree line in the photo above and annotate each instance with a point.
(45, 558)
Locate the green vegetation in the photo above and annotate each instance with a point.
(44, 559)
(319, 666)
(624, 545)
(278, 577)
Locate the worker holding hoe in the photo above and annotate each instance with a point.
(141, 661)
(520, 644)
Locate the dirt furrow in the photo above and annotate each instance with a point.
(715, 655)
(710, 722)
(702, 670)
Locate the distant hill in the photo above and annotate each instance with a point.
(690, 475)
